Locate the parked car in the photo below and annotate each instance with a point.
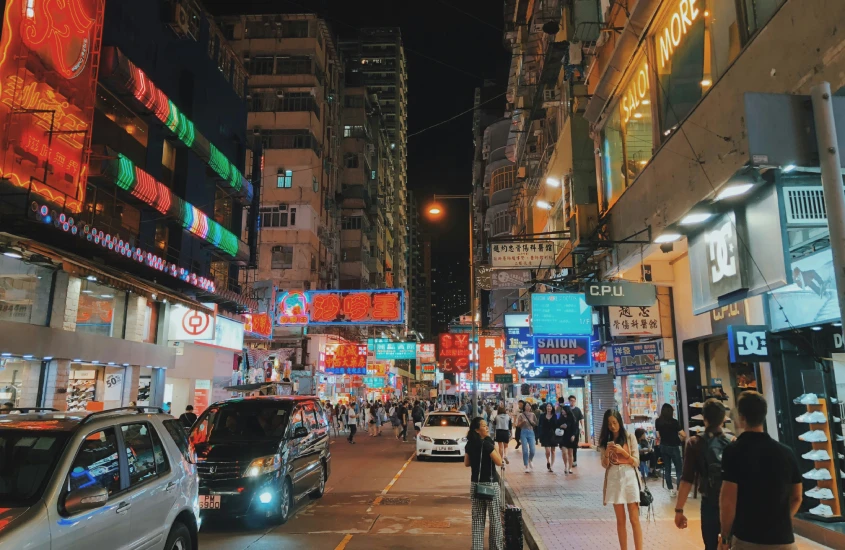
(115, 479)
(443, 434)
(257, 457)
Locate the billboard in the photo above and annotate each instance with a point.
(637, 358)
(534, 255)
(340, 307)
(395, 350)
(634, 321)
(426, 353)
(561, 314)
(558, 354)
(258, 324)
(491, 352)
(49, 56)
(812, 297)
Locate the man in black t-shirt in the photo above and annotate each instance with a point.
(671, 434)
(402, 413)
(761, 484)
(188, 417)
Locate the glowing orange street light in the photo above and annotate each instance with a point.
(435, 210)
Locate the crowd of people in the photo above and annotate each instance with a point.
(375, 415)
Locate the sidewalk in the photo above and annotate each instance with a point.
(564, 512)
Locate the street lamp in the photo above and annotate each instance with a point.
(435, 210)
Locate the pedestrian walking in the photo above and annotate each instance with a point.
(352, 423)
(518, 430)
(402, 414)
(418, 416)
(503, 424)
(188, 417)
(703, 460)
(620, 457)
(579, 427)
(671, 438)
(527, 420)
(549, 423)
(569, 441)
(761, 485)
(482, 457)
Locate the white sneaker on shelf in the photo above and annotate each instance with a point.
(839, 438)
(837, 419)
(813, 436)
(820, 493)
(697, 405)
(697, 417)
(816, 417)
(818, 474)
(822, 510)
(819, 454)
(809, 399)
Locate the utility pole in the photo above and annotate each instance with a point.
(834, 196)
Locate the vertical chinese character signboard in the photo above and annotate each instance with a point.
(49, 56)
(634, 321)
(491, 357)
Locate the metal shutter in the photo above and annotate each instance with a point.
(601, 399)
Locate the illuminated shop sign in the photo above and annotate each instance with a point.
(678, 22)
(46, 133)
(454, 352)
(341, 307)
(635, 95)
(259, 324)
(562, 351)
(118, 70)
(346, 359)
(113, 243)
(395, 350)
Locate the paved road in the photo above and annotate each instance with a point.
(425, 504)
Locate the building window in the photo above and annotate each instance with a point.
(503, 178)
(284, 179)
(261, 65)
(298, 102)
(758, 13)
(351, 222)
(294, 65)
(161, 236)
(277, 216)
(502, 223)
(290, 139)
(295, 29)
(263, 101)
(350, 160)
(282, 257)
(353, 101)
(168, 162)
(692, 50)
(101, 310)
(315, 185)
(353, 131)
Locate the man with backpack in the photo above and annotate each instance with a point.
(703, 457)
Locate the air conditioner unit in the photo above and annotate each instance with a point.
(180, 20)
(583, 223)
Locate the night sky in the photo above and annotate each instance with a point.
(451, 47)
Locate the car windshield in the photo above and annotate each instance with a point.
(447, 421)
(241, 420)
(27, 460)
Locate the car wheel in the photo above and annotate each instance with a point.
(421, 458)
(179, 538)
(285, 502)
(321, 488)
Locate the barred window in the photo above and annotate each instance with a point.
(295, 29)
(263, 101)
(294, 65)
(282, 257)
(290, 139)
(503, 178)
(299, 101)
(351, 222)
(261, 65)
(277, 216)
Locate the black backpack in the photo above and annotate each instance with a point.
(714, 447)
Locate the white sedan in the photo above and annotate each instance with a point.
(443, 434)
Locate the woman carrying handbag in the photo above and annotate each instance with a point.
(486, 498)
(620, 456)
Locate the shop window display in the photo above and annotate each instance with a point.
(101, 310)
(23, 291)
(82, 388)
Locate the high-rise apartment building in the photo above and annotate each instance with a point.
(377, 59)
(294, 108)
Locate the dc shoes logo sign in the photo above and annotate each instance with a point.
(721, 252)
(752, 343)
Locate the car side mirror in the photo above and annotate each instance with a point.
(85, 499)
(300, 432)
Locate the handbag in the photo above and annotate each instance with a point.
(559, 432)
(484, 492)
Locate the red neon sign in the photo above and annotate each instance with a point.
(454, 352)
(258, 323)
(47, 133)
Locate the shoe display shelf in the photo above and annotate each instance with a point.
(829, 445)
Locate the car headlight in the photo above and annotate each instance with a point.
(463, 440)
(263, 465)
(425, 438)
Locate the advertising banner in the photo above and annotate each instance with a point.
(454, 352)
(637, 358)
(510, 279)
(517, 338)
(341, 307)
(530, 255)
(634, 321)
(811, 298)
(491, 352)
(346, 359)
(426, 353)
(48, 77)
(395, 350)
(561, 314)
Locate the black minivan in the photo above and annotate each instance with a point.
(258, 456)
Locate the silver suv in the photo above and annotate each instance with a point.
(120, 478)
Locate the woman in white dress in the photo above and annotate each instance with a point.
(620, 456)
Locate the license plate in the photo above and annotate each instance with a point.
(209, 502)
(443, 449)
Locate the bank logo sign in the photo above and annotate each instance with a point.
(748, 343)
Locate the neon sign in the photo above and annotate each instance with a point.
(260, 324)
(636, 94)
(680, 20)
(454, 352)
(342, 307)
(346, 359)
(122, 73)
(46, 135)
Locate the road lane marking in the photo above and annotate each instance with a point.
(384, 491)
(343, 543)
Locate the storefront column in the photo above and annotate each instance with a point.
(131, 377)
(58, 378)
(28, 394)
(135, 314)
(65, 301)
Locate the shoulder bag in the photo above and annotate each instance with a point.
(646, 498)
(484, 491)
(560, 430)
